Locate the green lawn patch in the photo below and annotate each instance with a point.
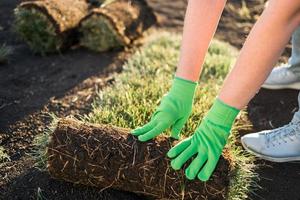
(130, 101)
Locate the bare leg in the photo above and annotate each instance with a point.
(200, 24)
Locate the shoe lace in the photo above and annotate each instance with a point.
(283, 134)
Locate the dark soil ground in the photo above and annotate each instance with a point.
(31, 86)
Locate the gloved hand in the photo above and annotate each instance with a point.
(206, 143)
(173, 111)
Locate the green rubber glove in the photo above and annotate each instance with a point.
(206, 143)
(173, 111)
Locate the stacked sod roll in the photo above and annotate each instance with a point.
(110, 157)
(48, 25)
(116, 24)
(52, 25)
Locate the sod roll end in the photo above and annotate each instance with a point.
(115, 25)
(48, 26)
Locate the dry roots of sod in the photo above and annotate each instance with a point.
(115, 24)
(48, 25)
(106, 156)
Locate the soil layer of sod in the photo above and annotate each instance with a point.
(109, 157)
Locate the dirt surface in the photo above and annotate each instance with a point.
(31, 86)
(34, 184)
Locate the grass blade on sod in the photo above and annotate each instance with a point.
(3, 156)
(131, 100)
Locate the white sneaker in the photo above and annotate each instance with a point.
(278, 145)
(282, 78)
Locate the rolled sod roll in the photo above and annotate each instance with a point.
(109, 157)
(48, 25)
(116, 24)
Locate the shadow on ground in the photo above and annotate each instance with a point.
(35, 184)
(29, 81)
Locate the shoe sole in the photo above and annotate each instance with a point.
(269, 158)
(294, 86)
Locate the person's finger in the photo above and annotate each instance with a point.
(208, 169)
(177, 127)
(153, 132)
(178, 148)
(194, 168)
(141, 130)
(183, 157)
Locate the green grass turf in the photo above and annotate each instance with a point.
(147, 75)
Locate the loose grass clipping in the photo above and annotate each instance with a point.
(48, 25)
(115, 25)
(109, 157)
